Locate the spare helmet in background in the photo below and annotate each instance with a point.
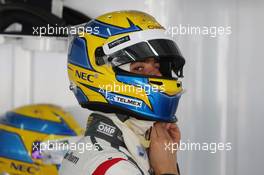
(21, 132)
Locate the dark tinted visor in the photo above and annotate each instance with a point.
(165, 51)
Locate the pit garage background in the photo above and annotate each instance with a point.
(223, 79)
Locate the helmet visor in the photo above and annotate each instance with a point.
(165, 51)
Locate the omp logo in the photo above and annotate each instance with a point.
(23, 168)
(106, 129)
(70, 157)
(124, 100)
(84, 76)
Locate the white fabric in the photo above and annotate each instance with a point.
(122, 166)
(88, 161)
(85, 163)
(140, 127)
(133, 131)
(133, 144)
(55, 154)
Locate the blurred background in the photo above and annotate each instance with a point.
(223, 79)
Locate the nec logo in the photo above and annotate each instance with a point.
(24, 168)
(106, 129)
(84, 76)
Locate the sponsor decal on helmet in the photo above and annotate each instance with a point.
(124, 100)
(84, 76)
(155, 27)
(24, 168)
(118, 41)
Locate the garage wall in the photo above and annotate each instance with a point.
(223, 79)
(32, 77)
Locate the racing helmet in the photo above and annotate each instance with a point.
(23, 128)
(106, 43)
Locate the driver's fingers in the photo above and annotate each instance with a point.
(161, 131)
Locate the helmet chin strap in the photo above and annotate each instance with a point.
(140, 128)
(133, 130)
